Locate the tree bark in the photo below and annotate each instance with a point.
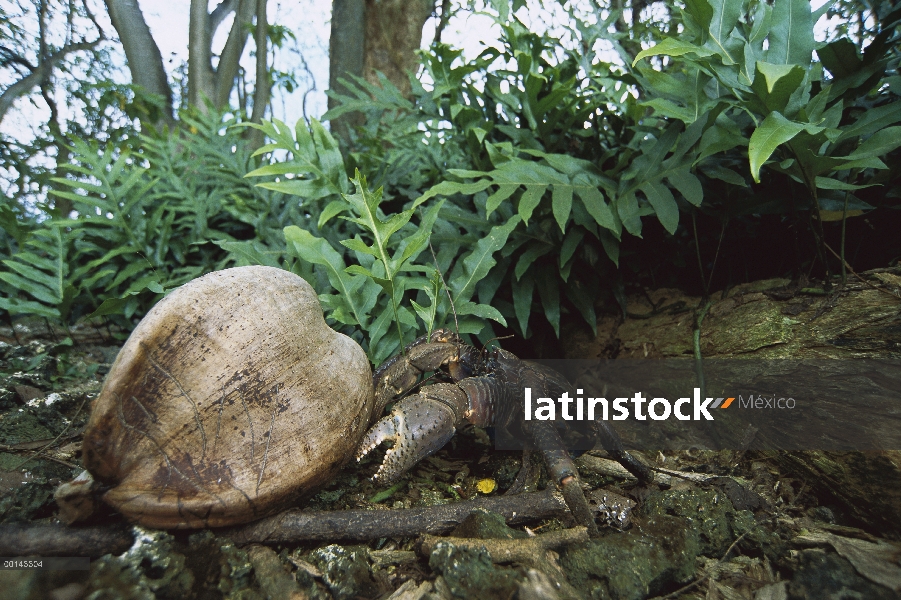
(346, 48)
(262, 89)
(229, 60)
(206, 84)
(143, 55)
(393, 35)
(201, 77)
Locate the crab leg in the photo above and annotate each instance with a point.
(400, 374)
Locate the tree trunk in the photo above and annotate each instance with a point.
(143, 55)
(775, 320)
(393, 35)
(206, 84)
(370, 36)
(346, 48)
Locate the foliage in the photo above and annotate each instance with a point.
(370, 258)
(751, 77)
(554, 136)
(535, 167)
(146, 221)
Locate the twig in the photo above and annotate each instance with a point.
(292, 526)
(605, 466)
(506, 551)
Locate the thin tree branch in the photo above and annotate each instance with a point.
(39, 74)
(229, 60)
(225, 8)
(263, 85)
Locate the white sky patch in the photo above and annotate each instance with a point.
(310, 22)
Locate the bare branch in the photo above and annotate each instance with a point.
(507, 551)
(405, 522)
(39, 74)
(229, 60)
(225, 8)
(263, 85)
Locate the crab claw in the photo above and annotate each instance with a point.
(418, 425)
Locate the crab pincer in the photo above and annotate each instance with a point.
(418, 426)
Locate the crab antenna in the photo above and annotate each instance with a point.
(495, 339)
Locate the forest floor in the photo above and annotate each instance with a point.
(748, 530)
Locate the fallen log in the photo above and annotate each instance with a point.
(778, 320)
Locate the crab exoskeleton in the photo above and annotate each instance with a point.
(484, 389)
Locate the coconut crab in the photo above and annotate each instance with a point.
(480, 388)
(233, 400)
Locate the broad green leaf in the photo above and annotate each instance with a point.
(872, 120)
(503, 192)
(584, 302)
(570, 243)
(762, 21)
(672, 47)
(562, 203)
(724, 19)
(319, 252)
(249, 251)
(329, 154)
(627, 207)
(36, 290)
(358, 245)
(774, 84)
(661, 198)
(529, 200)
(16, 306)
(483, 311)
(418, 241)
(879, 144)
(688, 185)
(528, 257)
(840, 58)
(701, 11)
(522, 301)
(331, 210)
(826, 183)
(477, 263)
(594, 203)
(36, 276)
(774, 131)
(549, 292)
(449, 188)
(791, 34)
(666, 108)
(611, 246)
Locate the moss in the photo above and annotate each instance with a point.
(469, 573)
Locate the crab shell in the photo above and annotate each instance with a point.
(230, 401)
